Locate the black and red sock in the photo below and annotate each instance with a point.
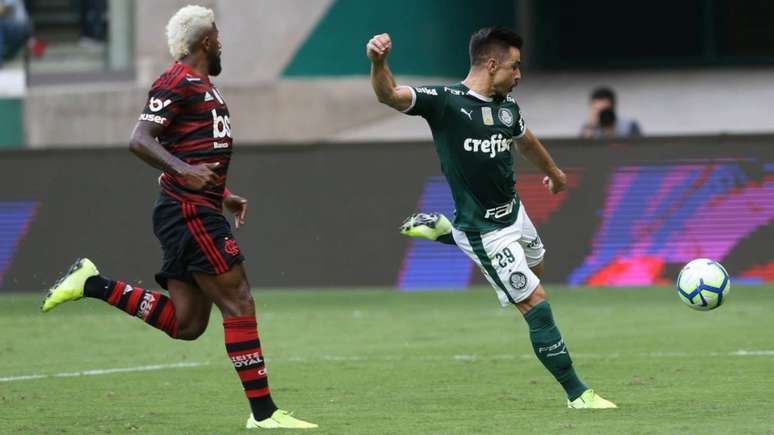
(152, 307)
(244, 349)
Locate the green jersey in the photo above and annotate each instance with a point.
(473, 136)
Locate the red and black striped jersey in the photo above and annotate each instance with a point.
(197, 129)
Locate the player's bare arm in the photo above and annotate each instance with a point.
(145, 146)
(386, 89)
(534, 151)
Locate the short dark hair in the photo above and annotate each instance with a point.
(603, 93)
(484, 43)
(607, 118)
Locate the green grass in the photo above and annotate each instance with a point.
(372, 362)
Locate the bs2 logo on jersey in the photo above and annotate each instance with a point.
(155, 104)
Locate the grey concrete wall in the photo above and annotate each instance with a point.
(266, 113)
(682, 102)
(259, 37)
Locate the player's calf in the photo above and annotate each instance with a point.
(230, 292)
(550, 348)
(152, 307)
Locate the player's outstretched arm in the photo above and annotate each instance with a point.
(387, 91)
(145, 146)
(534, 151)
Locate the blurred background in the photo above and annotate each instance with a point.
(660, 112)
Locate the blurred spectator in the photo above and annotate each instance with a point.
(93, 24)
(603, 122)
(15, 28)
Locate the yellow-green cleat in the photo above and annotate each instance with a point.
(590, 400)
(279, 420)
(428, 226)
(70, 286)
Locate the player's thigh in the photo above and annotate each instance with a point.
(214, 259)
(501, 257)
(192, 307)
(229, 291)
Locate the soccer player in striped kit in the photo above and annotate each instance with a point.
(185, 131)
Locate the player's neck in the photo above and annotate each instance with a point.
(480, 83)
(198, 65)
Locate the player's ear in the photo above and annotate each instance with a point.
(491, 65)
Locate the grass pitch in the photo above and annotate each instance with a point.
(373, 362)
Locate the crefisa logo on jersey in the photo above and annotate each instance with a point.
(505, 116)
(495, 144)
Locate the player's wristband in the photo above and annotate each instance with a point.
(226, 192)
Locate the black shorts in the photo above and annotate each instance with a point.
(194, 239)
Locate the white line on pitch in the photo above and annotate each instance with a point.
(97, 372)
(356, 358)
(515, 356)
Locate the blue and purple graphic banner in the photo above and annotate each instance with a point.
(652, 218)
(15, 220)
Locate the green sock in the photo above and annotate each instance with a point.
(551, 350)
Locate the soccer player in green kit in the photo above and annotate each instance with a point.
(475, 124)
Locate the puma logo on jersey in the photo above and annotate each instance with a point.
(495, 144)
(470, 114)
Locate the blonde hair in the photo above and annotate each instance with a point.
(186, 28)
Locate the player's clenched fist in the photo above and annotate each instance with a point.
(378, 47)
(557, 183)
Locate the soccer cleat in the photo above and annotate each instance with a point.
(70, 286)
(590, 400)
(428, 226)
(279, 420)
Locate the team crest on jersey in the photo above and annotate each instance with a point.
(231, 247)
(518, 280)
(505, 116)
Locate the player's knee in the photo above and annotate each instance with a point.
(241, 302)
(539, 295)
(191, 331)
(537, 268)
(246, 305)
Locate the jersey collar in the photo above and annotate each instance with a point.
(475, 94)
(191, 72)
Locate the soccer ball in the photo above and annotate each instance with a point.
(703, 284)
